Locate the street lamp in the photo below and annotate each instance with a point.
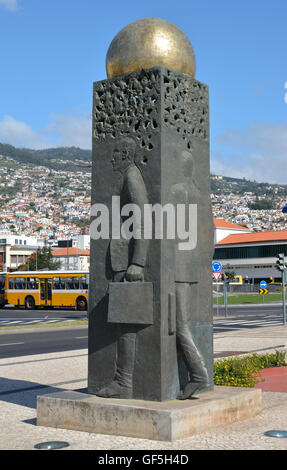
(280, 265)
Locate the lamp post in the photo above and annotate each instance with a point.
(280, 265)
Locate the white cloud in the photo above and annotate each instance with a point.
(258, 152)
(19, 134)
(11, 5)
(70, 131)
(62, 130)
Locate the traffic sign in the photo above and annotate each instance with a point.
(263, 291)
(216, 276)
(216, 266)
(263, 284)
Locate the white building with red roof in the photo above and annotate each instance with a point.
(72, 258)
(252, 255)
(224, 228)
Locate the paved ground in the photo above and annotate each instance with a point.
(22, 379)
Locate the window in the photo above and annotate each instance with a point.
(11, 283)
(263, 267)
(32, 283)
(243, 252)
(72, 283)
(84, 282)
(2, 284)
(19, 283)
(58, 283)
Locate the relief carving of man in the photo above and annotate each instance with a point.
(128, 259)
(186, 278)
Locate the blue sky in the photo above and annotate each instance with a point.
(53, 50)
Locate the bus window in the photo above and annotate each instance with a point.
(11, 283)
(84, 282)
(19, 283)
(72, 283)
(49, 289)
(2, 284)
(58, 283)
(32, 283)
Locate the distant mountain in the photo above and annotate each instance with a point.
(227, 185)
(56, 158)
(70, 158)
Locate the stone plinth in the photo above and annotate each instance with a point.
(162, 421)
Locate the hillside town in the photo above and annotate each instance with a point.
(42, 202)
(43, 206)
(234, 206)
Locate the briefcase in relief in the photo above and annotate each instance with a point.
(131, 302)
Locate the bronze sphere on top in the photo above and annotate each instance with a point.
(148, 43)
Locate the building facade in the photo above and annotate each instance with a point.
(252, 255)
(72, 258)
(16, 250)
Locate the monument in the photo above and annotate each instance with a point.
(153, 115)
(150, 296)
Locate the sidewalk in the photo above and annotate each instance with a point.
(22, 379)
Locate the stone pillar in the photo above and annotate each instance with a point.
(166, 115)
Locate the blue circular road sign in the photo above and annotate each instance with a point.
(216, 267)
(263, 284)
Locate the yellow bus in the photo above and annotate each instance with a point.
(33, 289)
(2, 290)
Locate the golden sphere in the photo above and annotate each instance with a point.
(148, 43)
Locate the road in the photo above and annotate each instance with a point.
(22, 342)
(247, 316)
(11, 316)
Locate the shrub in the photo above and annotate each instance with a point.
(243, 371)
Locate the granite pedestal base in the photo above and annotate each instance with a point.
(162, 421)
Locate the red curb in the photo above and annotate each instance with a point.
(275, 379)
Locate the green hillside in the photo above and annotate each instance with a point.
(56, 158)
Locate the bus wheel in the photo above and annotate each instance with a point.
(81, 303)
(29, 303)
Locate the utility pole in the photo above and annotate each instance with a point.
(280, 265)
(217, 299)
(68, 264)
(225, 284)
(284, 299)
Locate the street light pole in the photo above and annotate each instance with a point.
(280, 265)
(225, 283)
(217, 299)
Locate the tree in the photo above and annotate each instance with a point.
(230, 275)
(41, 259)
(261, 204)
